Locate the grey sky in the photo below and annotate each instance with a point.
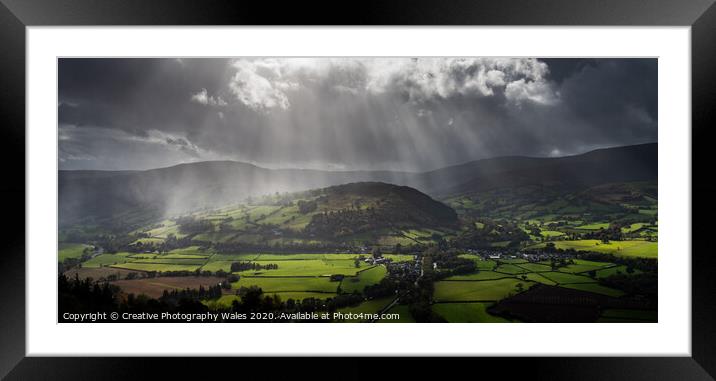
(348, 113)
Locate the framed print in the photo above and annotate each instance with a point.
(217, 186)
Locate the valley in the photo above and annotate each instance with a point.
(514, 239)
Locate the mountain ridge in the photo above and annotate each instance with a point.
(191, 186)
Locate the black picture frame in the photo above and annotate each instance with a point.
(700, 15)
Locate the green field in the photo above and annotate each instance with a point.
(615, 270)
(303, 256)
(551, 233)
(70, 250)
(576, 268)
(269, 285)
(635, 248)
(467, 313)
(500, 244)
(234, 257)
(446, 291)
(191, 250)
(164, 229)
(149, 241)
(398, 257)
(144, 255)
(510, 269)
(564, 278)
(482, 275)
(372, 306)
(584, 262)
(479, 262)
(308, 267)
(159, 267)
(634, 227)
(171, 261)
(107, 260)
(302, 295)
(215, 266)
(594, 226)
(183, 256)
(595, 288)
(365, 278)
(513, 261)
(536, 267)
(535, 277)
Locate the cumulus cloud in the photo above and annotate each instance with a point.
(424, 79)
(260, 84)
(202, 97)
(266, 83)
(537, 92)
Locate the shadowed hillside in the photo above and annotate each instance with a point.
(97, 196)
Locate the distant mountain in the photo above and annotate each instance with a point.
(602, 166)
(96, 196)
(93, 196)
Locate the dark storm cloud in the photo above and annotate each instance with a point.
(410, 114)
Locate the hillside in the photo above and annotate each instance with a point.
(614, 184)
(133, 197)
(602, 166)
(349, 214)
(361, 207)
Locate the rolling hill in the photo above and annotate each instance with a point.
(134, 196)
(344, 214)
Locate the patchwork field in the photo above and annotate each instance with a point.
(269, 285)
(539, 278)
(70, 250)
(300, 295)
(308, 267)
(482, 275)
(365, 278)
(595, 288)
(397, 258)
(615, 270)
(594, 226)
(171, 261)
(565, 278)
(159, 267)
(510, 269)
(215, 266)
(479, 262)
(465, 297)
(107, 260)
(634, 248)
(535, 267)
(450, 291)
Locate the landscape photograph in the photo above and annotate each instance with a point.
(357, 190)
